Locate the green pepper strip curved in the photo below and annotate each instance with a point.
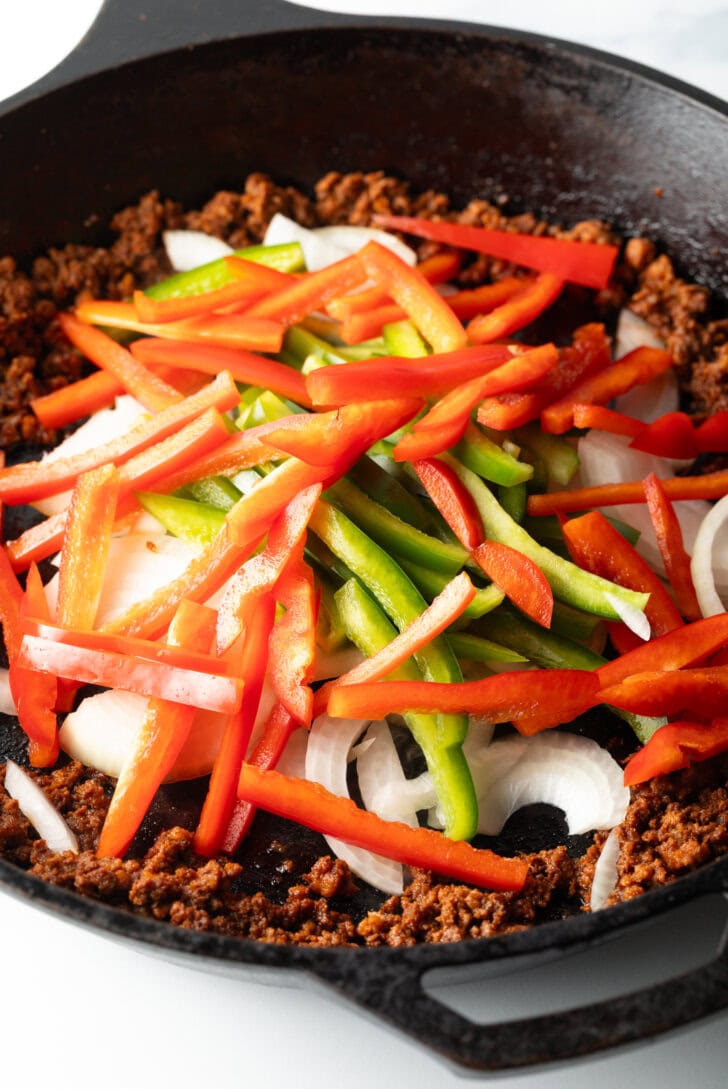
(286, 257)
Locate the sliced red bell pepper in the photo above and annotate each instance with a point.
(77, 399)
(162, 734)
(369, 324)
(35, 694)
(710, 486)
(597, 546)
(34, 480)
(520, 579)
(293, 640)
(243, 366)
(675, 746)
(219, 805)
(452, 499)
(586, 263)
(485, 298)
(520, 310)
(712, 435)
(153, 392)
(436, 269)
(587, 355)
(636, 367)
(87, 535)
(11, 597)
(311, 291)
(601, 418)
(249, 281)
(670, 542)
(703, 691)
(309, 804)
(670, 436)
(681, 647)
(418, 298)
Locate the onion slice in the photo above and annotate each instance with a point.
(605, 877)
(385, 789)
(7, 703)
(634, 332)
(634, 619)
(190, 249)
(701, 565)
(322, 246)
(33, 803)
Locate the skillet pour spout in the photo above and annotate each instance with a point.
(558, 129)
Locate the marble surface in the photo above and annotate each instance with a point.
(137, 1016)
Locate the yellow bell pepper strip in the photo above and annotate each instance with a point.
(218, 810)
(684, 646)
(452, 499)
(676, 746)
(423, 305)
(265, 755)
(670, 542)
(247, 282)
(636, 367)
(153, 392)
(701, 690)
(243, 366)
(162, 733)
(310, 292)
(34, 480)
(35, 694)
(520, 310)
(709, 486)
(87, 535)
(180, 449)
(313, 806)
(520, 579)
(293, 639)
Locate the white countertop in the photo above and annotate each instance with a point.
(138, 1016)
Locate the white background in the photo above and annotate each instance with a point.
(141, 1021)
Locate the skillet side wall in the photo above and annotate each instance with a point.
(474, 115)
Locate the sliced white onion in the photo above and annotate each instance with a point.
(318, 252)
(605, 872)
(634, 332)
(33, 803)
(293, 757)
(634, 618)
(701, 565)
(384, 787)
(565, 770)
(190, 249)
(352, 239)
(653, 399)
(7, 703)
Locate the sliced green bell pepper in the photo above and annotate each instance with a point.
(287, 257)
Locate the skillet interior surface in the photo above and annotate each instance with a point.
(474, 112)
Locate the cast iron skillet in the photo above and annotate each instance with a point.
(560, 129)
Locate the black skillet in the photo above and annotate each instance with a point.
(206, 93)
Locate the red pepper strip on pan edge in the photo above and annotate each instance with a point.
(314, 807)
(586, 263)
(710, 486)
(670, 542)
(675, 746)
(452, 499)
(162, 734)
(518, 311)
(520, 579)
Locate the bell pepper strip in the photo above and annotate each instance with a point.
(362, 327)
(162, 733)
(389, 492)
(243, 366)
(598, 547)
(314, 807)
(712, 434)
(311, 291)
(285, 257)
(682, 647)
(520, 579)
(170, 456)
(11, 597)
(701, 690)
(35, 694)
(588, 354)
(587, 263)
(87, 535)
(569, 583)
(431, 583)
(520, 310)
(559, 457)
(248, 282)
(403, 603)
(293, 639)
(670, 436)
(601, 418)
(488, 459)
(439, 615)
(672, 549)
(262, 571)
(218, 810)
(265, 755)
(452, 499)
(183, 518)
(636, 367)
(709, 486)
(416, 296)
(148, 388)
(243, 451)
(398, 376)
(676, 746)
(77, 399)
(436, 269)
(34, 480)
(485, 298)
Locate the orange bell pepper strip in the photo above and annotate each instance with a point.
(681, 647)
(162, 734)
(243, 366)
(77, 399)
(520, 310)
(87, 535)
(636, 367)
(218, 808)
(475, 301)
(417, 297)
(670, 436)
(293, 640)
(452, 499)
(702, 690)
(676, 746)
(588, 354)
(153, 392)
(597, 546)
(601, 418)
(35, 694)
(520, 579)
(311, 805)
(248, 282)
(586, 263)
(365, 326)
(309, 292)
(670, 542)
(265, 755)
(11, 597)
(710, 486)
(34, 480)
(712, 434)
(436, 269)
(169, 456)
